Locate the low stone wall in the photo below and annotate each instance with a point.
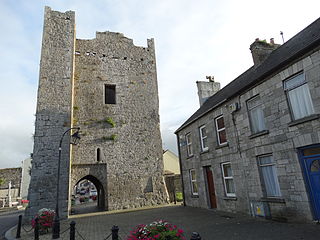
(12, 175)
(173, 184)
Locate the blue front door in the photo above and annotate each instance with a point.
(311, 164)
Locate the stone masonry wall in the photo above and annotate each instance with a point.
(53, 114)
(127, 133)
(10, 174)
(281, 140)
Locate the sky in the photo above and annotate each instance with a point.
(193, 39)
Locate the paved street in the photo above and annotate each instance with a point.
(89, 207)
(211, 224)
(7, 221)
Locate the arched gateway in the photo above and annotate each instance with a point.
(95, 175)
(107, 86)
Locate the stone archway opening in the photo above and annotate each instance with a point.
(87, 196)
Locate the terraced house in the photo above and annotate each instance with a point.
(254, 145)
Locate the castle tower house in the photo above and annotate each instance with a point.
(107, 86)
(53, 113)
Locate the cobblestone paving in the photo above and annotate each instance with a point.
(211, 224)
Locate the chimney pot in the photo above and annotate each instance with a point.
(260, 50)
(272, 41)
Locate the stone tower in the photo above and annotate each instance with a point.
(108, 88)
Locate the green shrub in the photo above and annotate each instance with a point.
(113, 137)
(110, 121)
(179, 196)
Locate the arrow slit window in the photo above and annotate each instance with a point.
(109, 94)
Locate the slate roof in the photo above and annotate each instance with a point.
(296, 47)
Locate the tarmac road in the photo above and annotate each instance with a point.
(8, 220)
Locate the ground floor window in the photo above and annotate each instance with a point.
(193, 181)
(269, 176)
(228, 179)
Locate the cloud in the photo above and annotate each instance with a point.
(193, 39)
(18, 68)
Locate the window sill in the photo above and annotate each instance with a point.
(274, 200)
(194, 196)
(191, 156)
(305, 119)
(222, 146)
(258, 134)
(204, 151)
(230, 198)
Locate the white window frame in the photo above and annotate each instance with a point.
(228, 194)
(275, 176)
(193, 181)
(220, 130)
(252, 111)
(203, 138)
(189, 145)
(302, 107)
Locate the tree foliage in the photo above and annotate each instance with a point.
(2, 181)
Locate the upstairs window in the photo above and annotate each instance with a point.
(110, 94)
(221, 131)
(203, 138)
(269, 176)
(189, 144)
(298, 95)
(256, 115)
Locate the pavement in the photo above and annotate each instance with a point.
(210, 224)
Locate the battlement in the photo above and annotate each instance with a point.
(117, 37)
(68, 15)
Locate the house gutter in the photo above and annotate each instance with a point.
(201, 115)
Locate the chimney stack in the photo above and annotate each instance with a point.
(207, 89)
(260, 50)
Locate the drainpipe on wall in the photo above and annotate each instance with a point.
(240, 155)
(181, 173)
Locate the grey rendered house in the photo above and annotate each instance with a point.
(254, 145)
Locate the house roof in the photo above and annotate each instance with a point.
(296, 47)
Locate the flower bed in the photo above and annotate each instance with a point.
(45, 217)
(159, 230)
(24, 202)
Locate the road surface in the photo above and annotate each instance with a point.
(8, 220)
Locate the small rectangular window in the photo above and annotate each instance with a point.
(98, 155)
(189, 144)
(298, 95)
(228, 179)
(221, 131)
(203, 138)
(193, 181)
(269, 176)
(110, 94)
(256, 115)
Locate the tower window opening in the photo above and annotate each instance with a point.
(110, 94)
(98, 155)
